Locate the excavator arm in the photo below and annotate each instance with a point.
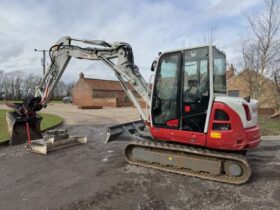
(60, 55)
(125, 69)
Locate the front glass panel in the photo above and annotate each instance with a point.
(165, 100)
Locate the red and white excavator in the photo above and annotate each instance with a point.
(190, 125)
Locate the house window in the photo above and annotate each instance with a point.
(233, 93)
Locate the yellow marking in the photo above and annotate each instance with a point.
(216, 135)
(170, 158)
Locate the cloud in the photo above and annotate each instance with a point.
(149, 26)
(10, 50)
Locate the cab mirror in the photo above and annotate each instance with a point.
(153, 66)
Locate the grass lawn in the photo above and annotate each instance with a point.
(3, 102)
(47, 122)
(269, 126)
(3, 126)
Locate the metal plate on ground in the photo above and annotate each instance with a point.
(43, 146)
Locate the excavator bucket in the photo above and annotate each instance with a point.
(54, 140)
(18, 130)
(123, 132)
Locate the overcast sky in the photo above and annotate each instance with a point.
(149, 26)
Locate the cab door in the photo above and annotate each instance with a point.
(177, 102)
(165, 106)
(195, 89)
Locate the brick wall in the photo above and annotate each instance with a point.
(266, 111)
(83, 95)
(268, 97)
(122, 99)
(107, 102)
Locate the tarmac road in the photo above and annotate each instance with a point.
(96, 176)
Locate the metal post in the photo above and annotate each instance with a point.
(43, 59)
(44, 62)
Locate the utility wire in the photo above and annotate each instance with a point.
(18, 30)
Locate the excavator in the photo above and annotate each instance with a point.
(189, 125)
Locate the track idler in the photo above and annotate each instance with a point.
(17, 127)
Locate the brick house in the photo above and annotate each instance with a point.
(97, 93)
(242, 85)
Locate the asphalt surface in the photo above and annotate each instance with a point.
(96, 176)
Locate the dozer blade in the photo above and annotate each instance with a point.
(123, 132)
(17, 127)
(55, 139)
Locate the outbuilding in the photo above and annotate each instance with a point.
(98, 93)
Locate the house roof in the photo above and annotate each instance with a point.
(100, 84)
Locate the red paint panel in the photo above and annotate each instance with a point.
(185, 137)
(237, 138)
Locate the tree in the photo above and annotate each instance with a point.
(60, 91)
(261, 49)
(211, 35)
(70, 86)
(16, 85)
(2, 74)
(30, 83)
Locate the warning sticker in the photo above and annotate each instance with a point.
(216, 135)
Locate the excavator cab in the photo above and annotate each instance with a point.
(184, 88)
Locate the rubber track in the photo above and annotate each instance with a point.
(150, 145)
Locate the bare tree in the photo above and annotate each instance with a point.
(16, 85)
(211, 35)
(60, 91)
(30, 83)
(1, 79)
(2, 75)
(70, 86)
(261, 50)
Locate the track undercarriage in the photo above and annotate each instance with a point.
(198, 162)
(141, 150)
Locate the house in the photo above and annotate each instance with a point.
(250, 83)
(97, 93)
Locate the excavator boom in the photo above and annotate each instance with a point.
(60, 55)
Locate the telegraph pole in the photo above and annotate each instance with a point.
(43, 59)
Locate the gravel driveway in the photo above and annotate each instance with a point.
(96, 176)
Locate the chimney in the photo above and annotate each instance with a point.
(82, 76)
(230, 72)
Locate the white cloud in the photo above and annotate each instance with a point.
(149, 26)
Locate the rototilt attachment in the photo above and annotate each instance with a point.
(54, 140)
(17, 127)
